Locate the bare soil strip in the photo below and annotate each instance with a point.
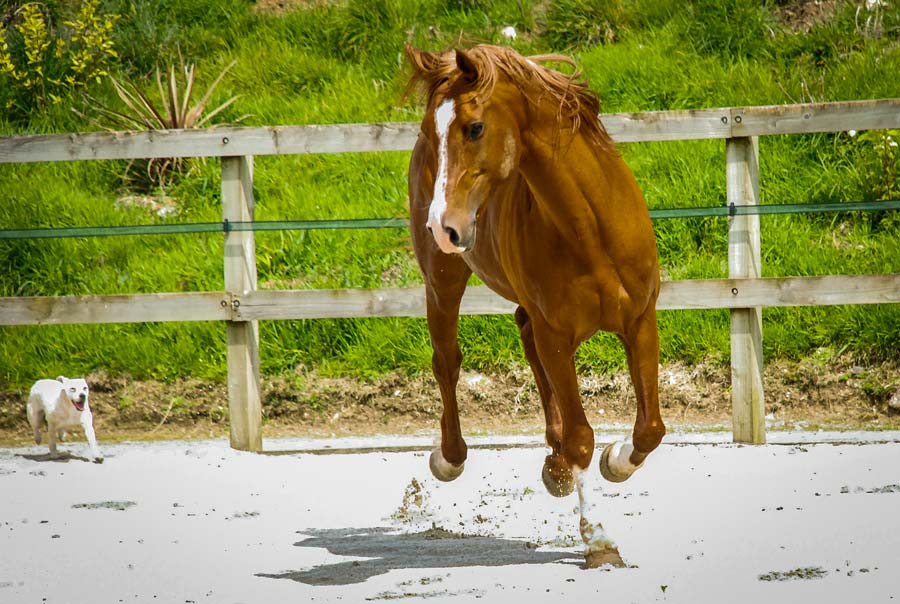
(809, 395)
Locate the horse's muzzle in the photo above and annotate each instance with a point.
(450, 241)
(464, 243)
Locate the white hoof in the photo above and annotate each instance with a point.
(442, 469)
(615, 462)
(599, 549)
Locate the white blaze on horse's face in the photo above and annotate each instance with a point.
(443, 117)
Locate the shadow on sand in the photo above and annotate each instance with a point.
(62, 457)
(389, 550)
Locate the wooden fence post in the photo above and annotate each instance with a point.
(747, 401)
(244, 403)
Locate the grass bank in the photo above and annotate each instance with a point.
(332, 62)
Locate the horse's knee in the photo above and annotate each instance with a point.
(446, 367)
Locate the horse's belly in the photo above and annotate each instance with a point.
(578, 296)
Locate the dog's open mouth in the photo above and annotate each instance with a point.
(79, 405)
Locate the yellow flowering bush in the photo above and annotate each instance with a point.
(41, 64)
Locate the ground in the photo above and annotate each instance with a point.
(826, 393)
(351, 513)
(699, 523)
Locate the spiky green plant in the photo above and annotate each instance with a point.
(175, 110)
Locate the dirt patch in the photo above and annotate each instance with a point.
(815, 393)
(803, 15)
(809, 572)
(414, 506)
(120, 506)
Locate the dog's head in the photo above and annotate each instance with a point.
(76, 389)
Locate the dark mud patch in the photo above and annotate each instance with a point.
(414, 507)
(240, 515)
(387, 550)
(120, 506)
(805, 573)
(423, 595)
(888, 488)
(61, 457)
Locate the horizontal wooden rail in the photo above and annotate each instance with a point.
(728, 122)
(410, 302)
(123, 308)
(242, 305)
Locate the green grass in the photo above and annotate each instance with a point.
(341, 62)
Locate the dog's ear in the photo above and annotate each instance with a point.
(61, 378)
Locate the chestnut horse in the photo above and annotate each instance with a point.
(514, 178)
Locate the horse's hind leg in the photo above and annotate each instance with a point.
(557, 474)
(620, 460)
(556, 352)
(447, 461)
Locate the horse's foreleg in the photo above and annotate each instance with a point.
(557, 473)
(620, 460)
(447, 461)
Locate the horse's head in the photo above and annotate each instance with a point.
(471, 124)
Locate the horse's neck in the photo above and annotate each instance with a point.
(566, 180)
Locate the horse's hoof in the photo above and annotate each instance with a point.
(557, 477)
(604, 557)
(608, 472)
(442, 469)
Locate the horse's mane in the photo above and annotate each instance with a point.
(576, 102)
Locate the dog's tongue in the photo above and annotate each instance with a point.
(78, 405)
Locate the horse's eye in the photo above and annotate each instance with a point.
(474, 131)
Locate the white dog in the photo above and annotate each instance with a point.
(64, 403)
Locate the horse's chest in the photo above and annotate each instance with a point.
(486, 262)
(491, 273)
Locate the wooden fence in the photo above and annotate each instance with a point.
(241, 305)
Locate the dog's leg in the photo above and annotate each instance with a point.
(51, 438)
(35, 418)
(87, 422)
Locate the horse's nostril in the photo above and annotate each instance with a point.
(454, 236)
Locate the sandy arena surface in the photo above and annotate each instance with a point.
(345, 520)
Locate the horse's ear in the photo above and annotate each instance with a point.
(422, 62)
(467, 66)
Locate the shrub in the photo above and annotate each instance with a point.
(175, 110)
(580, 23)
(879, 164)
(41, 64)
(734, 28)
